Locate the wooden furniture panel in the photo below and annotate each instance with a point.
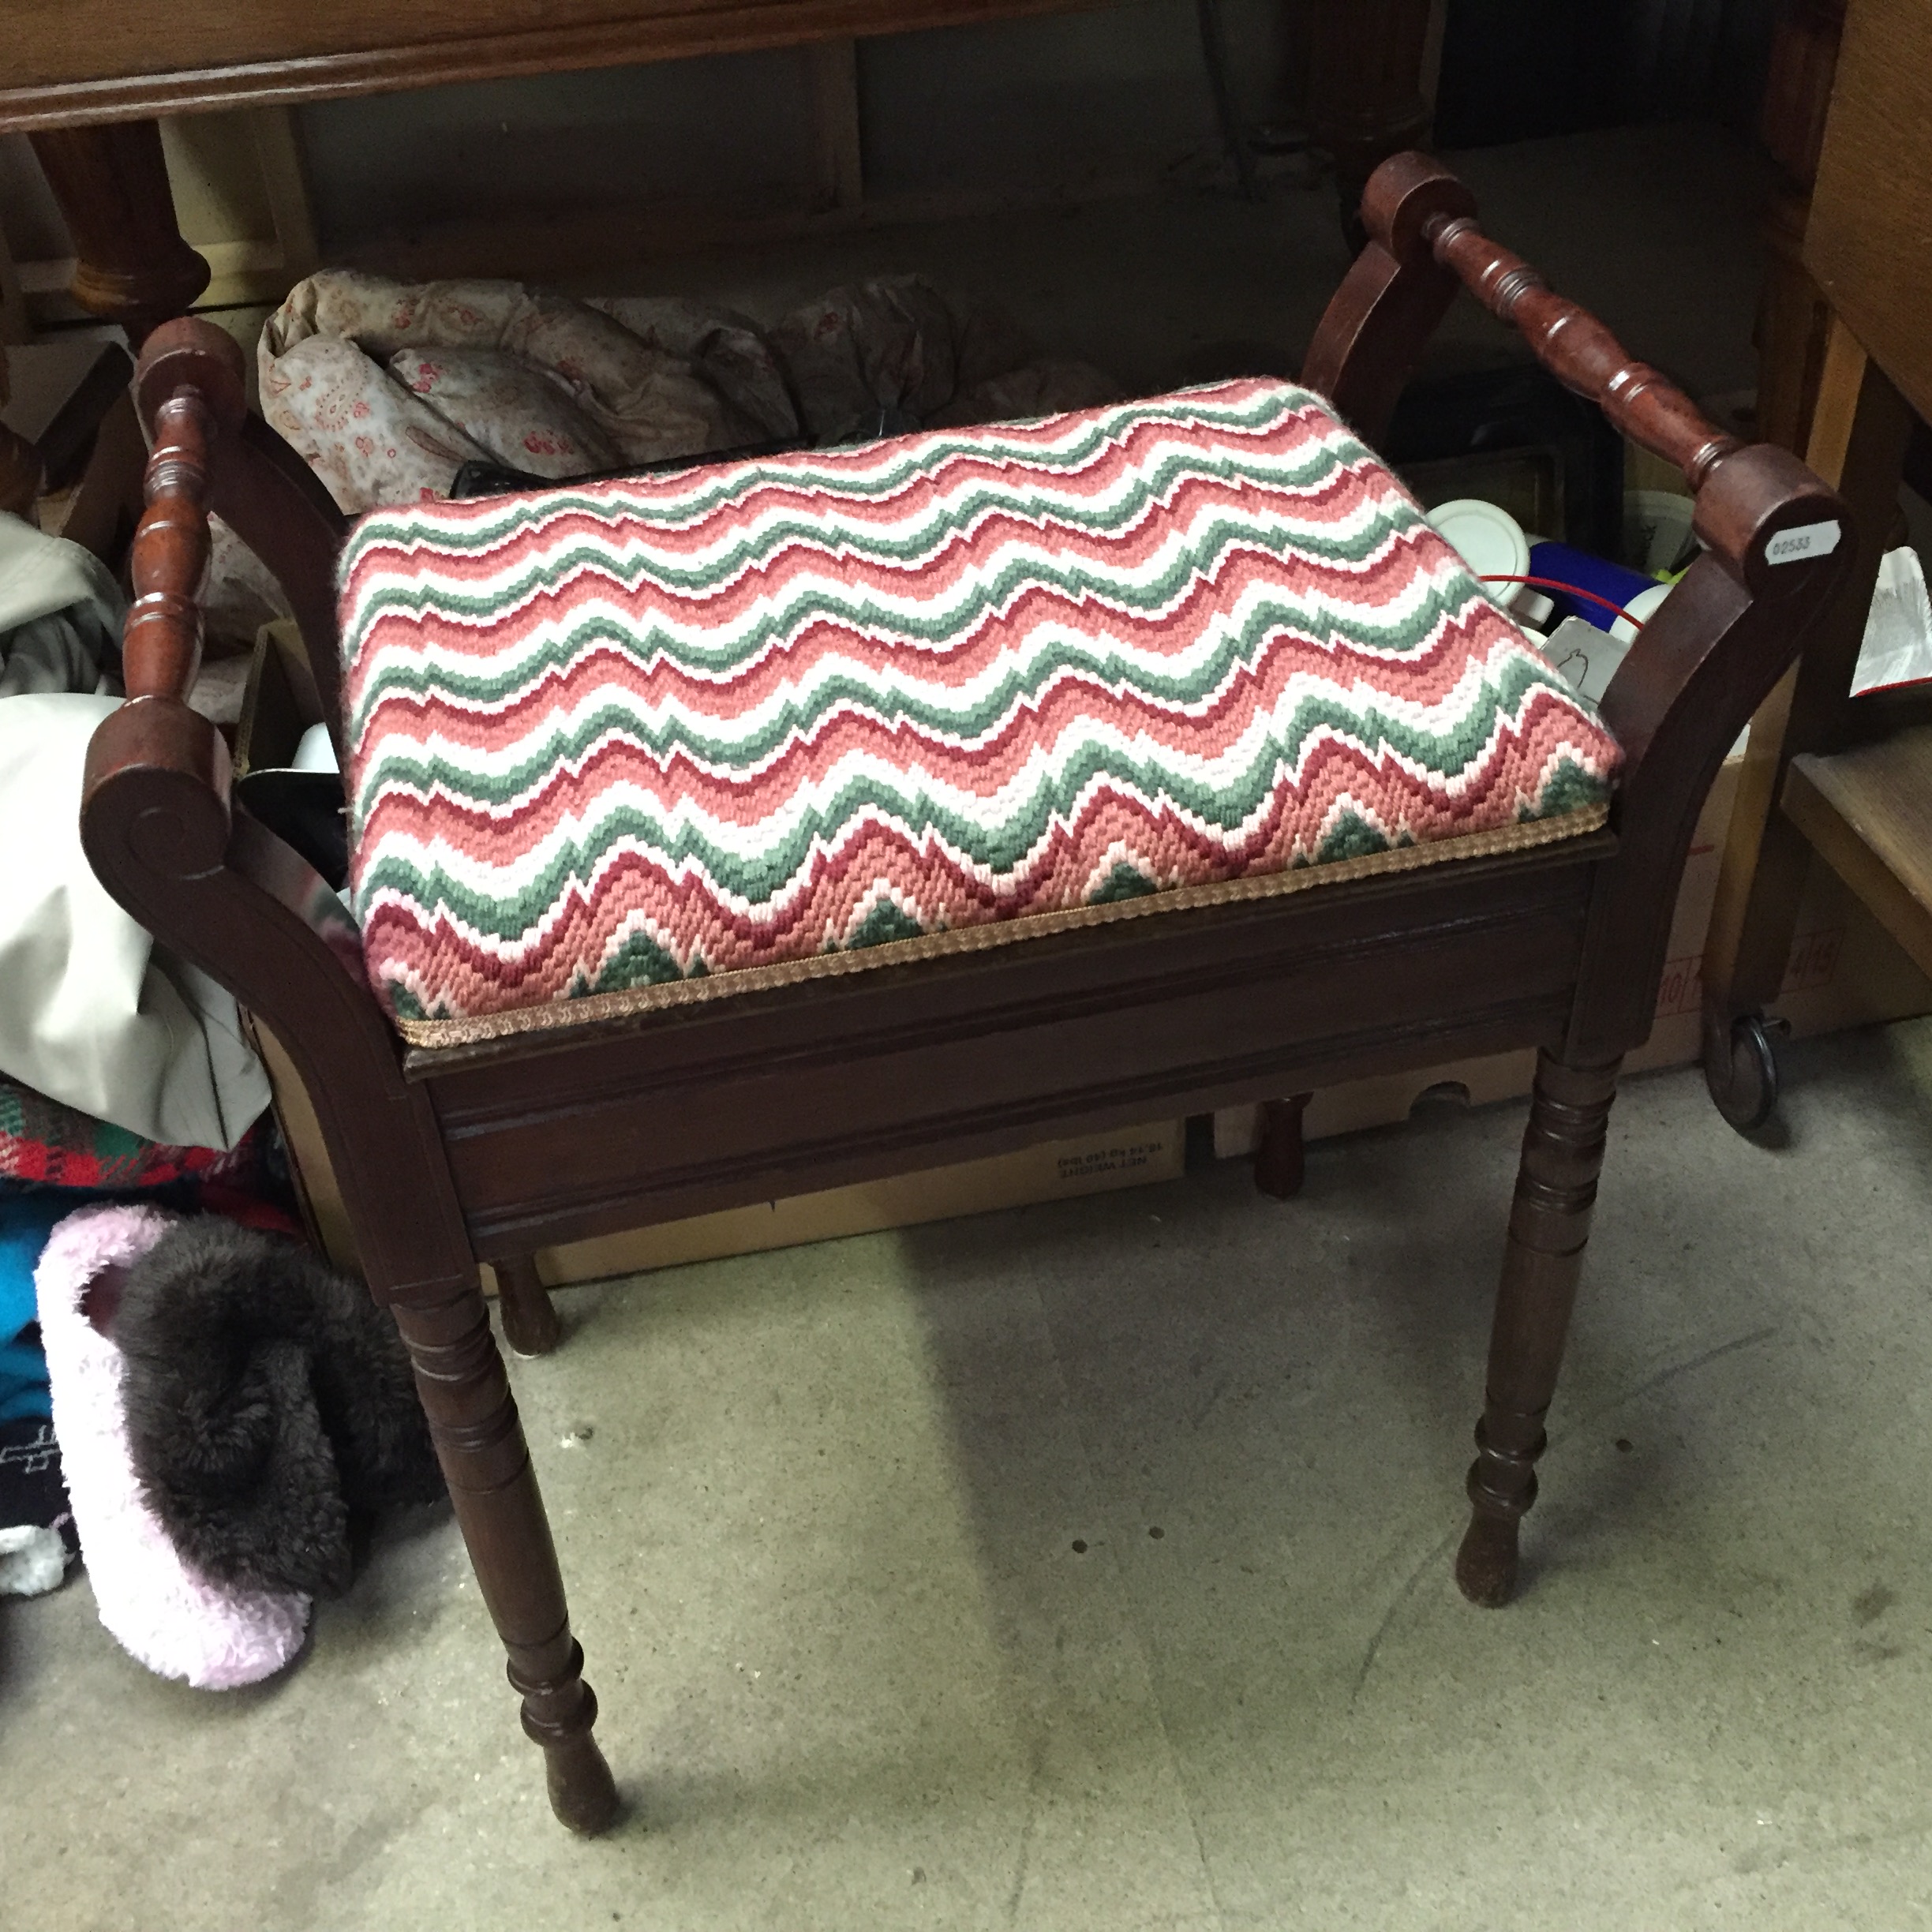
(1868, 813)
(1857, 436)
(1792, 315)
(73, 62)
(1868, 243)
(76, 67)
(925, 1065)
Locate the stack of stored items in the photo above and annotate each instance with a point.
(388, 390)
(158, 1362)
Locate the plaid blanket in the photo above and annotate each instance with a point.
(44, 1142)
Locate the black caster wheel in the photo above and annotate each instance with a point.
(1741, 1070)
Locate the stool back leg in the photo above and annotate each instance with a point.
(1549, 1222)
(529, 1318)
(1281, 1155)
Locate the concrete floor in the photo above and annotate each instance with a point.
(821, 1514)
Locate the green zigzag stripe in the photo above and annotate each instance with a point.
(899, 545)
(821, 600)
(917, 457)
(414, 679)
(507, 912)
(642, 961)
(403, 762)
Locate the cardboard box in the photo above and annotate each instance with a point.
(1053, 1170)
(1846, 970)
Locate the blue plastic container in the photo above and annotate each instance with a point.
(1561, 563)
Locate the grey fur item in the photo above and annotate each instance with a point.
(269, 1405)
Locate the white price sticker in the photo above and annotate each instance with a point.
(1808, 540)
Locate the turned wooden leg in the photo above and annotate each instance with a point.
(132, 265)
(1555, 1189)
(1281, 1155)
(479, 1442)
(1365, 59)
(529, 1320)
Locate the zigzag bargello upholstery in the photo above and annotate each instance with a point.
(641, 742)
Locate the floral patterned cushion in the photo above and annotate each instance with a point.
(666, 739)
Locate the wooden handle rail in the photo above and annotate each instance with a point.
(1580, 352)
(192, 391)
(161, 643)
(1415, 207)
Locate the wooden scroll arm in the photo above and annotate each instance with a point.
(1691, 683)
(160, 829)
(1779, 541)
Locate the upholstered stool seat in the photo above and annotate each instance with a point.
(648, 741)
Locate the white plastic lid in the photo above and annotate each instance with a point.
(315, 752)
(1489, 540)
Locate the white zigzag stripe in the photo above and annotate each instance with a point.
(415, 661)
(866, 476)
(468, 771)
(500, 587)
(784, 910)
(574, 836)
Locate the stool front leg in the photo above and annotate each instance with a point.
(479, 1442)
(1549, 1223)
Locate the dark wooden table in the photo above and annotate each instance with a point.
(86, 78)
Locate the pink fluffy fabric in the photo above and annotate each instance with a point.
(173, 1619)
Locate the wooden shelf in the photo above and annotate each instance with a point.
(1868, 812)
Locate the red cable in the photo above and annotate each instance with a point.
(1570, 589)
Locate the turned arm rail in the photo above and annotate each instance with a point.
(1702, 666)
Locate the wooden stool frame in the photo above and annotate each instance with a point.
(489, 1152)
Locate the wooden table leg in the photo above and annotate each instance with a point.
(1555, 1191)
(479, 1442)
(1365, 91)
(20, 461)
(529, 1317)
(111, 182)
